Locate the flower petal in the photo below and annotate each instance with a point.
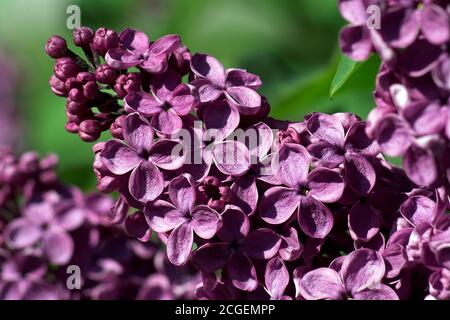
(420, 166)
(136, 226)
(182, 192)
(325, 185)
(358, 141)
(245, 194)
(355, 42)
(261, 244)
(242, 272)
(205, 221)
(235, 224)
(179, 244)
(315, 219)
(278, 204)
(134, 40)
(137, 132)
(220, 119)
(162, 216)
(206, 66)
(122, 59)
(21, 233)
(167, 122)
(400, 27)
(118, 157)
(231, 157)
(247, 100)
(393, 135)
(418, 210)
(382, 293)
(142, 102)
(362, 269)
(363, 222)
(435, 24)
(211, 257)
(240, 77)
(361, 175)
(291, 164)
(276, 277)
(167, 154)
(58, 246)
(326, 128)
(146, 182)
(321, 283)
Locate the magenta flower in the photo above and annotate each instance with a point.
(359, 278)
(141, 156)
(168, 100)
(182, 218)
(237, 248)
(136, 50)
(303, 192)
(237, 85)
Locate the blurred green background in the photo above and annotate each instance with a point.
(291, 44)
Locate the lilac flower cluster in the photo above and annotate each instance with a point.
(264, 209)
(46, 228)
(411, 118)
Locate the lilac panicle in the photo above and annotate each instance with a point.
(263, 208)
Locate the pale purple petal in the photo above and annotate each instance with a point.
(382, 293)
(321, 283)
(179, 244)
(142, 102)
(146, 182)
(58, 246)
(165, 44)
(122, 59)
(239, 77)
(119, 158)
(206, 66)
(278, 204)
(325, 185)
(276, 277)
(167, 154)
(134, 40)
(205, 221)
(247, 100)
(137, 132)
(326, 128)
(357, 140)
(418, 210)
(182, 192)
(400, 27)
(291, 164)
(162, 216)
(435, 24)
(355, 42)
(354, 11)
(362, 269)
(420, 166)
(22, 233)
(393, 135)
(231, 157)
(167, 122)
(245, 194)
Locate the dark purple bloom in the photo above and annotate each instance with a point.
(182, 218)
(136, 50)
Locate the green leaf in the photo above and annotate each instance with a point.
(344, 71)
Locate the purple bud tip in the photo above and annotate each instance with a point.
(83, 36)
(105, 39)
(106, 74)
(56, 47)
(89, 130)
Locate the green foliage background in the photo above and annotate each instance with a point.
(291, 44)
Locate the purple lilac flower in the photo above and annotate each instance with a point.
(361, 228)
(359, 277)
